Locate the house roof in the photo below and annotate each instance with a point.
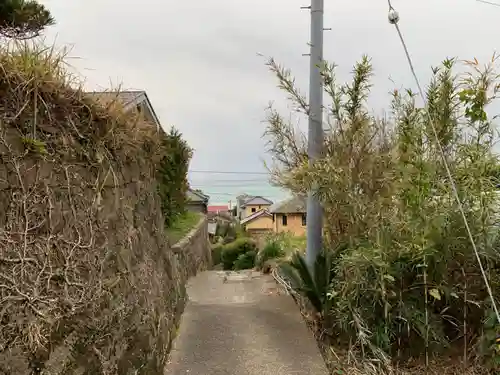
(257, 200)
(129, 100)
(196, 196)
(255, 216)
(217, 208)
(291, 205)
(242, 198)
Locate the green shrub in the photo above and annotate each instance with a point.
(231, 232)
(233, 250)
(409, 282)
(216, 254)
(287, 241)
(222, 229)
(272, 250)
(227, 240)
(240, 231)
(172, 175)
(245, 261)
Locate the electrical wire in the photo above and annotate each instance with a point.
(488, 2)
(393, 19)
(230, 172)
(232, 194)
(213, 180)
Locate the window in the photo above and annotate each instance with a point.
(284, 220)
(253, 209)
(304, 220)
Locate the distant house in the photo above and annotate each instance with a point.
(240, 200)
(218, 209)
(290, 216)
(248, 205)
(196, 201)
(130, 100)
(260, 222)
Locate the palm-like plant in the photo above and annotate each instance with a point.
(312, 284)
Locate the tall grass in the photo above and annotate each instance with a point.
(407, 282)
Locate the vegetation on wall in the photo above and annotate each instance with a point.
(405, 280)
(182, 225)
(172, 175)
(84, 274)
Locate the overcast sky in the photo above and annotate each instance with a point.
(198, 62)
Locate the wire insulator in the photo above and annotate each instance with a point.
(393, 17)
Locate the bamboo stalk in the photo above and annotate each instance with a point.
(426, 297)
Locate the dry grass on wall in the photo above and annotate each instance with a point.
(86, 278)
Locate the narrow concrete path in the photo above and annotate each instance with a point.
(238, 324)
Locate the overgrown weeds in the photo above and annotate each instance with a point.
(182, 225)
(407, 282)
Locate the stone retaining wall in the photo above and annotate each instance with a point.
(193, 255)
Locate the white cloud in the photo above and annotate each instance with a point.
(198, 63)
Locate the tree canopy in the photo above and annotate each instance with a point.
(23, 19)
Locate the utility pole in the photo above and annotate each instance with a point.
(315, 132)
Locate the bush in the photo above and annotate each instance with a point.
(217, 254)
(240, 231)
(233, 250)
(272, 250)
(409, 280)
(245, 261)
(288, 242)
(172, 175)
(227, 240)
(231, 232)
(222, 228)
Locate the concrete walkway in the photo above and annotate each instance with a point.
(238, 324)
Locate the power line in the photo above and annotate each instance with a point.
(230, 172)
(488, 2)
(234, 183)
(230, 194)
(263, 180)
(394, 19)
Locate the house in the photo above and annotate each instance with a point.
(254, 204)
(290, 216)
(240, 200)
(248, 205)
(258, 223)
(218, 209)
(137, 100)
(285, 216)
(196, 201)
